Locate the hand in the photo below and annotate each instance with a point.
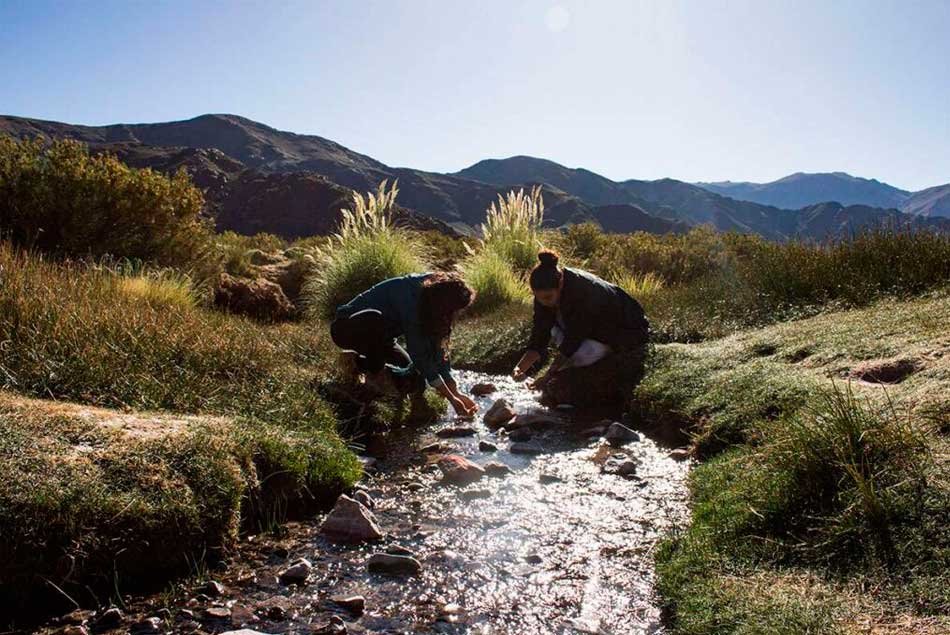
(462, 409)
(518, 374)
(470, 404)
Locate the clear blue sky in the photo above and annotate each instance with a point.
(704, 90)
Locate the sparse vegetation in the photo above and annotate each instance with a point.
(368, 249)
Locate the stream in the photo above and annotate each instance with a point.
(558, 545)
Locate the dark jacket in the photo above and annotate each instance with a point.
(398, 300)
(591, 309)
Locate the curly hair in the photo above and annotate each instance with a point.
(442, 296)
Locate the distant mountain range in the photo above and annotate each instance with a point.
(257, 178)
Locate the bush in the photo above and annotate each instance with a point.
(368, 249)
(493, 280)
(58, 199)
(512, 228)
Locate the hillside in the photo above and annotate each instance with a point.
(934, 201)
(801, 190)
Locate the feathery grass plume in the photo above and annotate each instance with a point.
(495, 283)
(639, 285)
(367, 249)
(512, 228)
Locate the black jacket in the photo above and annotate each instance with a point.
(590, 309)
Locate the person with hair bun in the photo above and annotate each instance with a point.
(421, 307)
(601, 334)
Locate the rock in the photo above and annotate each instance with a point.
(110, 619)
(260, 298)
(436, 448)
(474, 494)
(74, 629)
(217, 613)
(533, 558)
(496, 469)
(596, 431)
(79, 616)
(243, 631)
(368, 463)
(364, 499)
(528, 447)
(213, 589)
(350, 521)
(680, 454)
(619, 434)
(387, 563)
(297, 573)
(241, 615)
(547, 479)
(483, 389)
(454, 432)
(627, 468)
(354, 604)
(457, 470)
(415, 487)
(537, 421)
(399, 550)
(500, 413)
(336, 626)
(486, 446)
(521, 434)
(185, 614)
(148, 626)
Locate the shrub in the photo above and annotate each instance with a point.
(59, 199)
(512, 228)
(493, 280)
(368, 249)
(166, 287)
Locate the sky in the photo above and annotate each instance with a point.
(702, 90)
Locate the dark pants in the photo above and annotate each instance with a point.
(607, 383)
(365, 333)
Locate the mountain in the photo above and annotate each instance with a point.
(932, 202)
(801, 190)
(626, 219)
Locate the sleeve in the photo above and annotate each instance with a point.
(541, 326)
(445, 367)
(589, 311)
(423, 356)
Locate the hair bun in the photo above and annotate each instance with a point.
(548, 258)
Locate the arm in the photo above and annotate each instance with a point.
(543, 322)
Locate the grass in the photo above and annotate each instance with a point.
(368, 249)
(512, 228)
(495, 284)
(847, 487)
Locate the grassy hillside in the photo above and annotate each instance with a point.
(833, 495)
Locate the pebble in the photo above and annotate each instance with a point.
(217, 613)
(369, 464)
(497, 469)
(110, 619)
(483, 389)
(213, 589)
(297, 573)
(533, 558)
(74, 629)
(546, 479)
(500, 413)
(619, 434)
(399, 550)
(455, 431)
(680, 454)
(364, 499)
(436, 448)
(392, 564)
(627, 468)
(457, 470)
(349, 521)
(475, 494)
(487, 446)
(148, 626)
(241, 615)
(79, 616)
(354, 604)
(527, 447)
(521, 434)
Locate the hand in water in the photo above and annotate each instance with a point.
(517, 374)
(464, 407)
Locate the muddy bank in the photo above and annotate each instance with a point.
(557, 541)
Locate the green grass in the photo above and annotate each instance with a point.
(495, 284)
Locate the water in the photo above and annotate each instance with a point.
(569, 553)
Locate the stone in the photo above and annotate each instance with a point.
(349, 521)
(148, 626)
(527, 447)
(336, 626)
(110, 619)
(79, 616)
(436, 448)
(387, 563)
(547, 479)
(496, 469)
(619, 434)
(680, 454)
(297, 573)
(241, 615)
(354, 604)
(457, 470)
(213, 589)
(483, 389)
(243, 631)
(487, 446)
(627, 468)
(363, 498)
(74, 629)
(399, 550)
(596, 431)
(537, 421)
(500, 413)
(217, 613)
(455, 432)
(369, 464)
(532, 558)
(475, 494)
(521, 434)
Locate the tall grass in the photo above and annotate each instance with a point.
(495, 283)
(161, 288)
(368, 248)
(512, 228)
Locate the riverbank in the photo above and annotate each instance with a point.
(823, 497)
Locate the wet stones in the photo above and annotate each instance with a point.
(350, 521)
(525, 447)
(621, 465)
(474, 494)
(547, 479)
(680, 454)
(436, 448)
(520, 434)
(457, 470)
(618, 435)
(487, 446)
(391, 564)
(455, 432)
(217, 613)
(536, 421)
(297, 573)
(213, 589)
(500, 413)
(483, 389)
(353, 604)
(496, 469)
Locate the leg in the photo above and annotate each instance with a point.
(364, 333)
